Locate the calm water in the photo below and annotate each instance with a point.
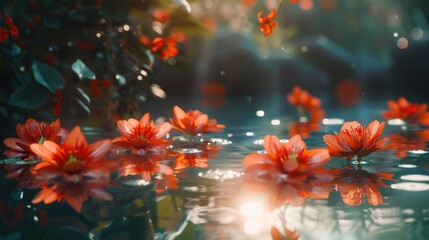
(211, 202)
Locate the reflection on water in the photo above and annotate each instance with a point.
(200, 190)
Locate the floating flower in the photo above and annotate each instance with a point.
(267, 23)
(356, 140)
(194, 122)
(357, 186)
(289, 157)
(288, 172)
(411, 113)
(74, 193)
(7, 28)
(307, 105)
(404, 142)
(33, 132)
(142, 136)
(167, 47)
(73, 160)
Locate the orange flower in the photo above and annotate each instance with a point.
(142, 136)
(411, 113)
(306, 104)
(73, 160)
(267, 23)
(166, 46)
(194, 122)
(407, 141)
(356, 140)
(33, 132)
(288, 158)
(161, 15)
(348, 92)
(289, 234)
(74, 193)
(357, 185)
(292, 188)
(7, 28)
(144, 165)
(22, 174)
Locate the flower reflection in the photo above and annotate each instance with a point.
(22, 174)
(357, 186)
(196, 159)
(407, 141)
(74, 193)
(33, 132)
(146, 167)
(356, 140)
(287, 234)
(289, 173)
(411, 113)
(304, 129)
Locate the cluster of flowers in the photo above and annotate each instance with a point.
(69, 169)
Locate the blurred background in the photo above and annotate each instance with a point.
(94, 62)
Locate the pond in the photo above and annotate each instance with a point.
(199, 190)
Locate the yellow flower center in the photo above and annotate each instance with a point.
(72, 159)
(41, 140)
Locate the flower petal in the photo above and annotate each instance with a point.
(99, 149)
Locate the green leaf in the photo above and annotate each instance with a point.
(188, 233)
(30, 95)
(47, 76)
(82, 70)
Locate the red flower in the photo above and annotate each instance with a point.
(289, 172)
(33, 132)
(348, 92)
(74, 160)
(247, 3)
(161, 15)
(194, 122)
(144, 40)
(288, 158)
(267, 23)
(97, 85)
(142, 136)
(356, 140)
(407, 141)
(357, 185)
(289, 234)
(7, 28)
(74, 193)
(411, 113)
(166, 46)
(56, 110)
(306, 104)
